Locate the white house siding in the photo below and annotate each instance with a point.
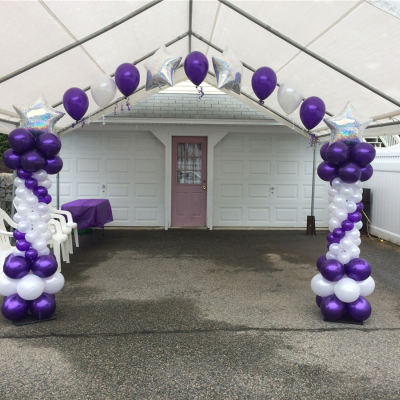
(247, 166)
(124, 167)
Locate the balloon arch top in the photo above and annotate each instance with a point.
(31, 276)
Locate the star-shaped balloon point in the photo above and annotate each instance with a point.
(346, 127)
(161, 68)
(38, 117)
(228, 71)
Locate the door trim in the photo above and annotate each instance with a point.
(165, 136)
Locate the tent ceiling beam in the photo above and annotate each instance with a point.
(180, 37)
(309, 52)
(190, 24)
(81, 41)
(249, 67)
(9, 122)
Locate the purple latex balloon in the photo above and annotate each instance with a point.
(76, 103)
(14, 307)
(338, 233)
(358, 269)
(332, 270)
(31, 183)
(312, 111)
(362, 154)
(318, 300)
(360, 207)
(332, 308)
(22, 174)
(18, 235)
(44, 266)
(43, 307)
(46, 199)
(53, 165)
(360, 309)
(16, 267)
(366, 172)
(40, 191)
(322, 151)
(127, 78)
(263, 82)
(11, 159)
(349, 172)
(347, 225)
(196, 67)
(326, 171)
(320, 260)
(32, 161)
(31, 254)
(354, 217)
(21, 140)
(337, 153)
(48, 144)
(23, 245)
(331, 238)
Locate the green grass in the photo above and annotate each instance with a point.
(3, 144)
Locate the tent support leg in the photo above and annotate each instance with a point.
(311, 219)
(58, 191)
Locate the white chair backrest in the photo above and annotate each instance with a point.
(4, 240)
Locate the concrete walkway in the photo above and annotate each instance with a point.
(188, 314)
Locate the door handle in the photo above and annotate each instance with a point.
(204, 187)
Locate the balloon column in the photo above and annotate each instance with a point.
(345, 278)
(30, 279)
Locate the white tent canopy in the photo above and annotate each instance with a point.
(359, 37)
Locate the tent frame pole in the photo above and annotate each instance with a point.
(309, 52)
(190, 24)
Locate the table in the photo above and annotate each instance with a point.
(89, 213)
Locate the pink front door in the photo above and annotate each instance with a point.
(189, 181)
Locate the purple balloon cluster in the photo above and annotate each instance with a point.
(350, 163)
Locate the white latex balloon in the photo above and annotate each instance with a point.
(30, 287)
(47, 235)
(290, 95)
(22, 192)
(17, 217)
(353, 251)
(33, 218)
(332, 208)
(346, 243)
(321, 286)
(343, 258)
(335, 249)
(24, 208)
(31, 236)
(333, 192)
(357, 242)
(331, 215)
(330, 256)
(40, 227)
(45, 183)
(334, 223)
(24, 226)
(341, 214)
(53, 283)
(337, 183)
(18, 201)
(20, 253)
(40, 175)
(353, 235)
(330, 199)
(356, 198)
(358, 225)
(19, 182)
(44, 252)
(41, 208)
(39, 244)
(339, 200)
(8, 286)
(346, 191)
(350, 206)
(32, 200)
(367, 286)
(347, 290)
(103, 90)
(45, 217)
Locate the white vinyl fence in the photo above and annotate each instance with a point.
(385, 194)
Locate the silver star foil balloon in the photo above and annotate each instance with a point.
(346, 127)
(161, 68)
(38, 117)
(228, 71)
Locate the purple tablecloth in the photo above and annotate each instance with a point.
(89, 213)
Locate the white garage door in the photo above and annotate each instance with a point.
(126, 168)
(265, 180)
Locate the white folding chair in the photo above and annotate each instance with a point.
(65, 229)
(58, 240)
(70, 222)
(5, 246)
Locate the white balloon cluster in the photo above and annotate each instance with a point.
(32, 218)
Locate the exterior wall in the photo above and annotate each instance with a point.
(125, 167)
(385, 194)
(266, 180)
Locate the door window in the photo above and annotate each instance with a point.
(189, 163)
